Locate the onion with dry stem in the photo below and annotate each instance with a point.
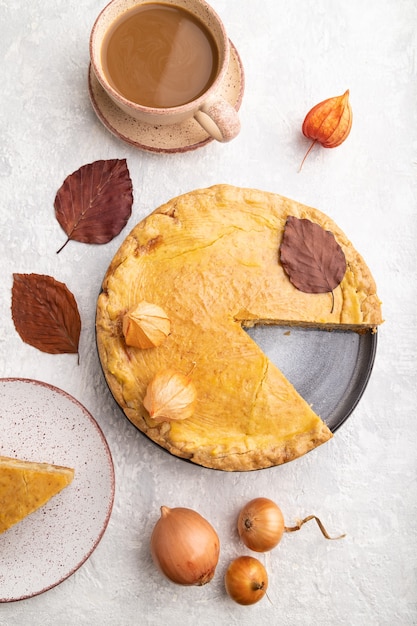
(185, 546)
(261, 525)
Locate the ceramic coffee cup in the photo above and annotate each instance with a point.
(217, 116)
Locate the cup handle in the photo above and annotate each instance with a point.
(219, 119)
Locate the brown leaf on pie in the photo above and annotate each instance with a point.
(45, 314)
(94, 203)
(311, 256)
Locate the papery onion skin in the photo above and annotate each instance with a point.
(185, 547)
(246, 580)
(261, 524)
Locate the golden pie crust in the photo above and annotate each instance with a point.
(210, 260)
(25, 486)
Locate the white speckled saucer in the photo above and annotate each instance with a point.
(176, 138)
(41, 423)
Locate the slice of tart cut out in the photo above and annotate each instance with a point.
(210, 259)
(26, 486)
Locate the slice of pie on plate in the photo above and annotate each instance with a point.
(209, 262)
(25, 486)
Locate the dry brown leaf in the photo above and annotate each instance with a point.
(45, 314)
(311, 256)
(94, 203)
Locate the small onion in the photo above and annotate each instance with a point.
(185, 546)
(246, 580)
(261, 525)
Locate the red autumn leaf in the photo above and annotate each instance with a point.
(45, 314)
(94, 203)
(311, 256)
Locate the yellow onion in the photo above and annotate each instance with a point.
(246, 580)
(184, 546)
(261, 524)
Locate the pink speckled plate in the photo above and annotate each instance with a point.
(41, 423)
(166, 139)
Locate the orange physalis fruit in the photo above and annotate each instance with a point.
(328, 123)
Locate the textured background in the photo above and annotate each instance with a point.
(363, 482)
